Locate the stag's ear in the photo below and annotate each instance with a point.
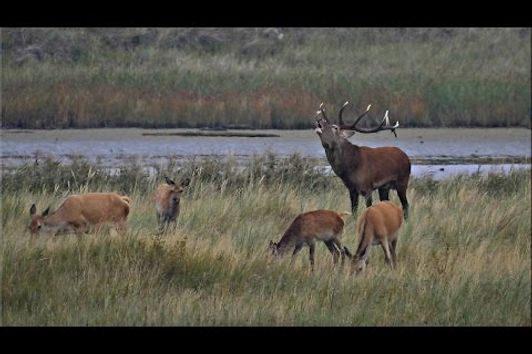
(169, 181)
(348, 133)
(44, 213)
(185, 182)
(33, 209)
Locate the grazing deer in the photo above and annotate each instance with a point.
(321, 225)
(364, 169)
(167, 202)
(79, 212)
(378, 224)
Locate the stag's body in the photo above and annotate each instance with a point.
(168, 202)
(309, 227)
(377, 225)
(78, 213)
(364, 169)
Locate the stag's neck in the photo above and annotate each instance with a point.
(343, 157)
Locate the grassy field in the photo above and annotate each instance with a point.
(464, 256)
(263, 78)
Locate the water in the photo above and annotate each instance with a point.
(453, 150)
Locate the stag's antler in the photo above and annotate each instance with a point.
(352, 126)
(322, 112)
(385, 125)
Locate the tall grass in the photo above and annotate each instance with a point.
(463, 258)
(207, 77)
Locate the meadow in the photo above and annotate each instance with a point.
(464, 255)
(263, 77)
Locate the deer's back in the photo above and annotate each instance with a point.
(319, 224)
(94, 207)
(383, 218)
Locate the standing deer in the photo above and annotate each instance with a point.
(361, 168)
(309, 227)
(80, 212)
(167, 202)
(378, 224)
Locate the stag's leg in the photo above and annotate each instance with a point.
(369, 200)
(384, 193)
(401, 192)
(387, 254)
(353, 194)
(333, 250)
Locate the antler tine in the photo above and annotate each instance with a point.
(385, 125)
(360, 117)
(322, 111)
(340, 121)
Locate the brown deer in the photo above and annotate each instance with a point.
(167, 202)
(378, 224)
(78, 213)
(309, 227)
(364, 169)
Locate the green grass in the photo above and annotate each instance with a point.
(463, 258)
(161, 78)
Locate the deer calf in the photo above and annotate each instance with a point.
(79, 212)
(378, 224)
(167, 202)
(321, 225)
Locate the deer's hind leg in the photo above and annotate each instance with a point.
(338, 244)
(393, 244)
(387, 254)
(312, 247)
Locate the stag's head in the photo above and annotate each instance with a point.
(332, 134)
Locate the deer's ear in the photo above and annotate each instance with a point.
(33, 209)
(347, 133)
(169, 181)
(44, 213)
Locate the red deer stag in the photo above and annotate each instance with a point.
(378, 224)
(79, 212)
(309, 227)
(361, 168)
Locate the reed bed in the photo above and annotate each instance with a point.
(263, 78)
